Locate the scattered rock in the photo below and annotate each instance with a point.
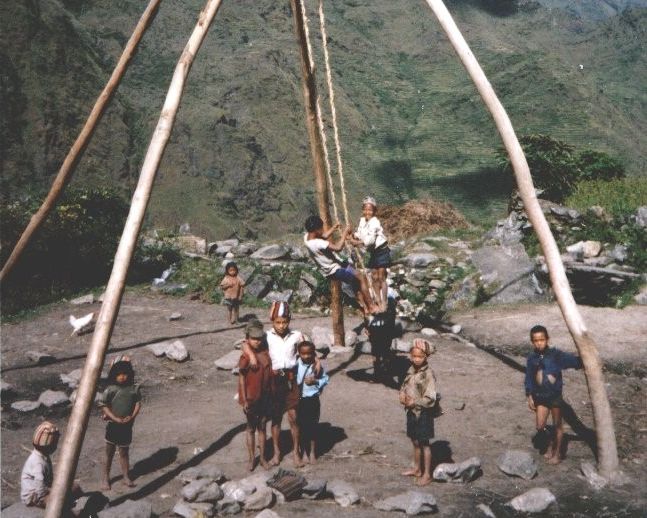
(486, 511)
(641, 216)
(244, 249)
(25, 406)
(259, 286)
(228, 361)
(238, 490)
(619, 254)
(564, 213)
(259, 499)
(6, 389)
(227, 506)
(534, 501)
(583, 249)
(279, 296)
(343, 493)
(518, 463)
(596, 481)
(400, 345)
(411, 502)
(322, 337)
(85, 299)
(465, 471)
(437, 284)
(71, 379)
(202, 490)
(129, 509)
(176, 351)
(456, 329)
(304, 292)
(271, 252)
(420, 259)
(40, 358)
(350, 338)
(175, 316)
(315, 488)
(158, 349)
(185, 229)
(191, 244)
(51, 398)
(210, 472)
(194, 510)
(267, 513)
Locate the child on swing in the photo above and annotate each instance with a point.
(370, 235)
(418, 396)
(330, 264)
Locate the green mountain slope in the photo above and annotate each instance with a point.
(238, 161)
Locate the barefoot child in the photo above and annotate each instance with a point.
(418, 396)
(370, 235)
(544, 387)
(37, 474)
(120, 404)
(254, 388)
(233, 287)
(309, 410)
(330, 265)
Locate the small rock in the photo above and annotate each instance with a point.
(322, 337)
(6, 389)
(259, 499)
(279, 296)
(51, 398)
(193, 510)
(641, 216)
(210, 472)
(585, 248)
(401, 345)
(40, 358)
(228, 361)
(364, 347)
(271, 252)
(428, 331)
(411, 502)
(129, 509)
(437, 284)
(185, 229)
(456, 329)
(518, 463)
(534, 501)
(619, 254)
(259, 286)
(238, 490)
(350, 338)
(267, 513)
(85, 299)
(593, 478)
(175, 316)
(158, 349)
(315, 488)
(228, 506)
(71, 379)
(176, 351)
(486, 511)
(465, 471)
(202, 490)
(420, 260)
(343, 493)
(25, 406)
(244, 249)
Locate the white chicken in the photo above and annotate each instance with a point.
(82, 325)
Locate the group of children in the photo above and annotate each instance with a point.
(279, 373)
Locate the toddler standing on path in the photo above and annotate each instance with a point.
(233, 288)
(418, 396)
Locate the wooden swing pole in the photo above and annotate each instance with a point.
(76, 151)
(310, 98)
(606, 439)
(78, 421)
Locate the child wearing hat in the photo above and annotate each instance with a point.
(120, 403)
(254, 389)
(418, 396)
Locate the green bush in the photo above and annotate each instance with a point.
(619, 196)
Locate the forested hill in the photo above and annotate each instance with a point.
(238, 161)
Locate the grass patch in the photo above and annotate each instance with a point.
(618, 197)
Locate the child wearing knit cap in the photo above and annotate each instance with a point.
(418, 396)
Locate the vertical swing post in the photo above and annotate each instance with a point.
(78, 421)
(606, 439)
(316, 152)
(76, 151)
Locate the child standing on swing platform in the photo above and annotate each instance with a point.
(330, 264)
(418, 396)
(370, 235)
(543, 385)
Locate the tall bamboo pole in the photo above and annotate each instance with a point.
(606, 439)
(76, 151)
(109, 309)
(311, 100)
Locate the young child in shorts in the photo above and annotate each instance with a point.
(330, 265)
(418, 396)
(233, 287)
(544, 386)
(37, 473)
(311, 386)
(370, 235)
(254, 390)
(120, 403)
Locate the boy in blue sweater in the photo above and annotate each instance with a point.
(544, 387)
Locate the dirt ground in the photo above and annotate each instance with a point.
(189, 416)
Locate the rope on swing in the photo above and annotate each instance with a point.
(324, 140)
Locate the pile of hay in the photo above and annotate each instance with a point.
(419, 217)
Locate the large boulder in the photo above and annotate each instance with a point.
(420, 259)
(465, 471)
(229, 361)
(343, 493)
(206, 471)
(411, 502)
(51, 398)
(507, 275)
(271, 252)
(535, 500)
(259, 286)
(260, 499)
(518, 463)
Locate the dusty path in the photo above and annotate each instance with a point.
(189, 416)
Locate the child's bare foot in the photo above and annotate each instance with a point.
(105, 485)
(548, 455)
(425, 480)
(129, 483)
(265, 464)
(276, 460)
(305, 459)
(413, 472)
(313, 458)
(555, 459)
(297, 461)
(251, 464)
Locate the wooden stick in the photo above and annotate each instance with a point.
(76, 151)
(78, 421)
(606, 439)
(316, 151)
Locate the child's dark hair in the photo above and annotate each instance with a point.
(121, 368)
(539, 329)
(307, 344)
(313, 223)
(231, 264)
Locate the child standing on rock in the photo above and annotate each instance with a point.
(418, 396)
(544, 385)
(254, 390)
(120, 403)
(311, 386)
(233, 287)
